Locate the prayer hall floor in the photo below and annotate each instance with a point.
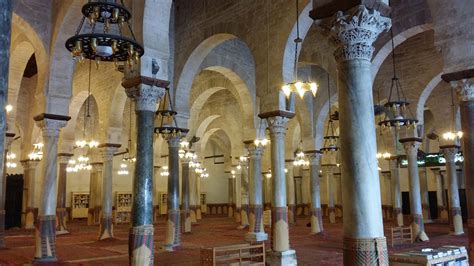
(81, 248)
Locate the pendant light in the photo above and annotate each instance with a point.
(453, 135)
(331, 139)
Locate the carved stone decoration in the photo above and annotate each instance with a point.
(146, 96)
(277, 125)
(355, 32)
(465, 89)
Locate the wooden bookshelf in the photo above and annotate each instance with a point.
(79, 205)
(123, 207)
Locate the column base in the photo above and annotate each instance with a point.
(140, 245)
(426, 214)
(61, 228)
(256, 236)
(283, 258)
(244, 223)
(30, 218)
(365, 251)
(106, 229)
(397, 213)
(292, 214)
(457, 227)
(418, 229)
(45, 238)
(173, 233)
(316, 221)
(332, 215)
(198, 213)
(192, 214)
(186, 222)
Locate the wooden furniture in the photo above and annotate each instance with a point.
(79, 205)
(242, 254)
(401, 235)
(446, 255)
(203, 201)
(123, 207)
(163, 203)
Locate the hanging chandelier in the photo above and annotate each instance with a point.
(127, 156)
(168, 127)
(384, 152)
(397, 111)
(123, 169)
(331, 139)
(297, 86)
(453, 135)
(37, 153)
(10, 163)
(261, 140)
(300, 157)
(103, 39)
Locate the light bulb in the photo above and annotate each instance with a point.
(8, 108)
(314, 88)
(286, 90)
(300, 89)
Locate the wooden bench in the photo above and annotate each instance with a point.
(242, 254)
(401, 235)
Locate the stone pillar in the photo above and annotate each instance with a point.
(290, 192)
(280, 253)
(316, 216)
(106, 228)
(146, 95)
(256, 232)
(306, 191)
(230, 193)
(396, 192)
(29, 168)
(338, 189)
(411, 146)
(425, 202)
(450, 152)
(5, 38)
(193, 197)
(95, 194)
(328, 170)
(244, 213)
(186, 213)
(197, 194)
(355, 32)
(387, 193)
(442, 210)
(61, 227)
(238, 196)
(173, 234)
(267, 193)
(45, 249)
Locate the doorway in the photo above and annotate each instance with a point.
(13, 201)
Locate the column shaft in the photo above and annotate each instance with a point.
(61, 226)
(290, 192)
(442, 210)
(331, 194)
(173, 234)
(29, 168)
(230, 194)
(238, 196)
(396, 192)
(186, 215)
(453, 189)
(106, 229)
(425, 204)
(316, 216)
(244, 213)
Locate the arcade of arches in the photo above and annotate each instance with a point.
(197, 144)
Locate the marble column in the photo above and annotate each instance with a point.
(193, 198)
(396, 192)
(316, 216)
(442, 210)
(267, 193)
(197, 194)
(186, 190)
(29, 168)
(45, 250)
(411, 146)
(244, 213)
(96, 197)
(238, 196)
(425, 202)
(280, 253)
(5, 39)
(230, 194)
(354, 33)
(450, 152)
(61, 226)
(387, 194)
(140, 245)
(173, 233)
(338, 194)
(328, 170)
(256, 232)
(306, 191)
(290, 191)
(106, 228)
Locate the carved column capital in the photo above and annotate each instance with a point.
(107, 153)
(29, 164)
(255, 152)
(450, 152)
(314, 158)
(411, 146)
(51, 127)
(146, 96)
(356, 31)
(173, 141)
(277, 125)
(464, 89)
(64, 157)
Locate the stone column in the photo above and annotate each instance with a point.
(197, 195)
(355, 32)
(61, 227)
(267, 193)
(5, 38)
(244, 213)
(146, 95)
(450, 152)
(45, 250)
(173, 234)
(290, 191)
(387, 193)
(256, 232)
(193, 197)
(96, 198)
(29, 168)
(338, 188)
(306, 191)
(186, 213)
(442, 210)
(316, 216)
(396, 192)
(280, 253)
(411, 146)
(106, 228)
(425, 203)
(238, 196)
(230, 193)
(328, 170)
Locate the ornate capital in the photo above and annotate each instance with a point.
(146, 96)
(314, 158)
(355, 32)
(29, 164)
(97, 167)
(51, 127)
(449, 152)
(255, 152)
(465, 89)
(107, 153)
(411, 147)
(173, 141)
(64, 157)
(277, 125)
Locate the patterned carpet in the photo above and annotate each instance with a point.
(81, 248)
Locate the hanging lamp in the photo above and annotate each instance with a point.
(128, 157)
(297, 86)
(300, 157)
(383, 153)
(168, 127)
(331, 139)
(453, 135)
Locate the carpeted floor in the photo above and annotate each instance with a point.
(81, 248)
